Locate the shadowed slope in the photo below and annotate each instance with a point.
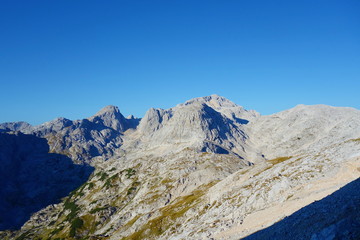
(335, 217)
(32, 178)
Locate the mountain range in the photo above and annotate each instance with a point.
(204, 169)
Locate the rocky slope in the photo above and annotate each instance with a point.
(205, 169)
(32, 178)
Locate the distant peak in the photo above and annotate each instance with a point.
(110, 116)
(215, 96)
(213, 100)
(108, 109)
(60, 119)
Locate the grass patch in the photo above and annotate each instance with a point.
(57, 230)
(132, 221)
(169, 215)
(89, 223)
(166, 181)
(95, 210)
(279, 160)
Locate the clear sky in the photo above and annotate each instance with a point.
(70, 58)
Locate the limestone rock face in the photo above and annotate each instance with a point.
(304, 128)
(53, 126)
(111, 117)
(204, 169)
(210, 124)
(226, 107)
(15, 126)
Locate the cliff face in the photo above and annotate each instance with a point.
(205, 169)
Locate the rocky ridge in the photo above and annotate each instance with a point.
(85, 141)
(205, 169)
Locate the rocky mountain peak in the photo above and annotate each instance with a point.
(214, 101)
(228, 108)
(111, 117)
(110, 109)
(194, 125)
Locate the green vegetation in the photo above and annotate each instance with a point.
(52, 223)
(130, 190)
(129, 172)
(158, 225)
(103, 176)
(78, 192)
(23, 236)
(95, 210)
(89, 223)
(91, 185)
(169, 215)
(74, 209)
(75, 224)
(110, 181)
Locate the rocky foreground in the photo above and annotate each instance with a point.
(204, 169)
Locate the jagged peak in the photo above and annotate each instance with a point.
(110, 116)
(108, 112)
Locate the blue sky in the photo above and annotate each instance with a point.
(71, 58)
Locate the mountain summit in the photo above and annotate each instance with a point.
(111, 117)
(225, 106)
(204, 169)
